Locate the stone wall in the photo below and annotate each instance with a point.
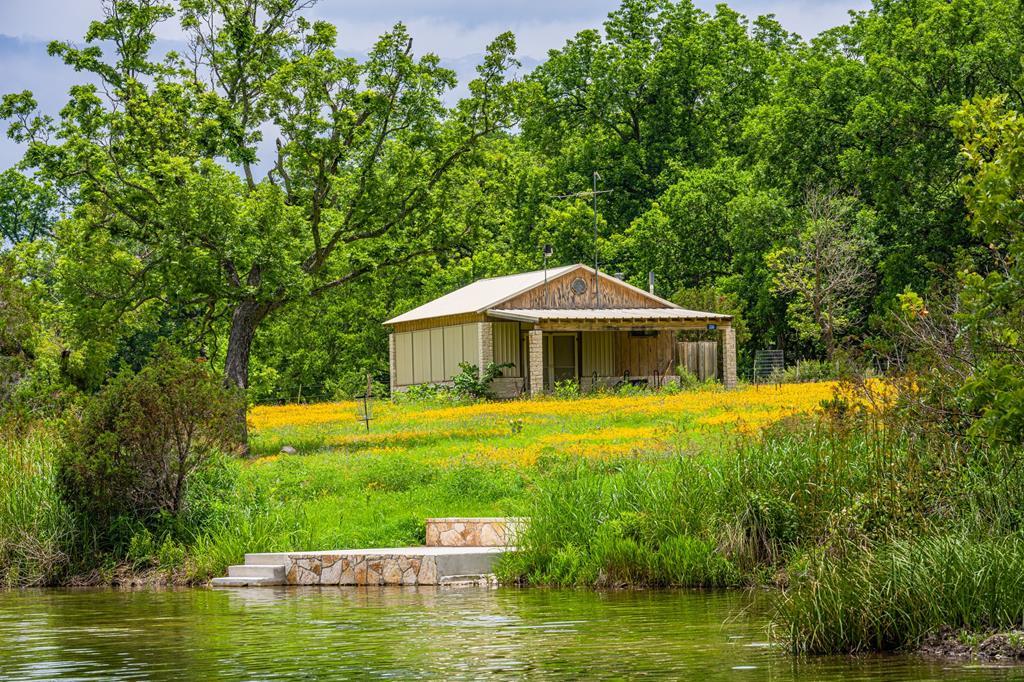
(369, 569)
(472, 532)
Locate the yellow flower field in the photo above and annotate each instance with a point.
(519, 432)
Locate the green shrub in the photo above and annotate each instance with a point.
(139, 441)
(471, 384)
(567, 389)
(808, 370)
(425, 394)
(687, 379)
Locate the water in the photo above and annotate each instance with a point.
(378, 633)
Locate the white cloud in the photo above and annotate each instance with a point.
(457, 30)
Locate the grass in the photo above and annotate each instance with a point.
(346, 487)
(36, 528)
(891, 594)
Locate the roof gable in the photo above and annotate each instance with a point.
(485, 294)
(480, 295)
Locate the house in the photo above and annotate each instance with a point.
(562, 323)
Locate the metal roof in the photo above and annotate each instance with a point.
(644, 314)
(483, 295)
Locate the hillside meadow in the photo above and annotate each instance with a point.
(343, 486)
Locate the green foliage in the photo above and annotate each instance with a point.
(993, 314)
(163, 230)
(138, 443)
(28, 210)
(425, 394)
(755, 510)
(827, 271)
(567, 389)
(472, 384)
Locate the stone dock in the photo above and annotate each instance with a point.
(458, 550)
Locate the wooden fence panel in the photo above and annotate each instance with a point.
(700, 358)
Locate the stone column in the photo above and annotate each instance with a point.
(536, 358)
(729, 357)
(392, 370)
(485, 345)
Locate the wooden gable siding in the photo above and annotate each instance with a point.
(434, 322)
(562, 297)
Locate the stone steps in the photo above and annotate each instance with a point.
(247, 570)
(246, 582)
(445, 561)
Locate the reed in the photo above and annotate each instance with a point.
(890, 595)
(37, 530)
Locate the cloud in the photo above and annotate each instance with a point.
(456, 30)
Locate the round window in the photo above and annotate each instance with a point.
(579, 286)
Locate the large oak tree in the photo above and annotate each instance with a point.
(176, 209)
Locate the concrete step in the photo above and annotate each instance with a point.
(246, 582)
(275, 571)
(381, 566)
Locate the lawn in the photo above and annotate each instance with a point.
(346, 487)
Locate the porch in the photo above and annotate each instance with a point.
(599, 348)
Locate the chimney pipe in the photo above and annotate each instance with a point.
(650, 281)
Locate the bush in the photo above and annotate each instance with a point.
(808, 370)
(470, 384)
(425, 393)
(568, 389)
(138, 442)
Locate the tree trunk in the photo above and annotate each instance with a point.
(244, 321)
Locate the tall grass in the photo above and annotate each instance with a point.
(757, 511)
(891, 594)
(37, 530)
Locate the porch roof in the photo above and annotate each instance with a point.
(658, 315)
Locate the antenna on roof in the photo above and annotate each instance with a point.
(592, 194)
(547, 254)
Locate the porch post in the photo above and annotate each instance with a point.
(729, 356)
(485, 345)
(535, 342)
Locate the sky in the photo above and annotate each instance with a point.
(456, 30)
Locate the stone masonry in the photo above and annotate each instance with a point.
(485, 345)
(474, 532)
(729, 357)
(369, 569)
(536, 359)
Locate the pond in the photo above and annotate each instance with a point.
(372, 633)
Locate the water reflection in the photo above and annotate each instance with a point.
(409, 633)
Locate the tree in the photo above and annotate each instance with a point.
(665, 88)
(828, 269)
(18, 324)
(992, 312)
(163, 224)
(27, 209)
